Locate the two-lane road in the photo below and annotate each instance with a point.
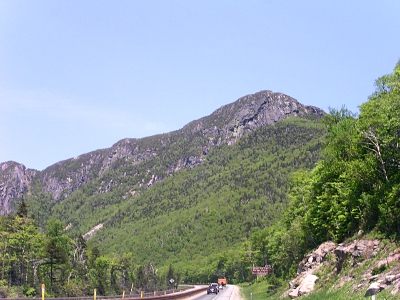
(229, 292)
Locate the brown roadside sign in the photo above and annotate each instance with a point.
(262, 270)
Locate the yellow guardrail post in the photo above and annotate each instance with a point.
(154, 293)
(94, 294)
(141, 294)
(123, 294)
(43, 291)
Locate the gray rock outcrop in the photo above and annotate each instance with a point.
(353, 254)
(373, 289)
(306, 286)
(14, 182)
(354, 250)
(224, 126)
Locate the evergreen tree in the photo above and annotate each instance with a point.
(57, 247)
(22, 209)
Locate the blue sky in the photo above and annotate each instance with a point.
(77, 76)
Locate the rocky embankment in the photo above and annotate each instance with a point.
(368, 265)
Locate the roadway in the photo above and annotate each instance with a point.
(229, 292)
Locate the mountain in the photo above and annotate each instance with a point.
(225, 126)
(185, 192)
(14, 182)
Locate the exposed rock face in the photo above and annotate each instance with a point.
(305, 287)
(14, 181)
(92, 231)
(250, 112)
(384, 283)
(350, 252)
(354, 250)
(316, 257)
(373, 289)
(226, 125)
(354, 254)
(63, 178)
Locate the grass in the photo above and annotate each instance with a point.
(261, 291)
(343, 294)
(331, 284)
(346, 292)
(258, 291)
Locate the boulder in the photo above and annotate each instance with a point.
(308, 284)
(373, 289)
(305, 287)
(354, 251)
(316, 257)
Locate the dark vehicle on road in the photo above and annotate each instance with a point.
(213, 288)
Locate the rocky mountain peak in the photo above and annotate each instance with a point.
(232, 121)
(14, 182)
(224, 126)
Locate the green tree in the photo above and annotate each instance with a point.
(22, 209)
(171, 276)
(141, 278)
(57, 248)
(21, 242)
(356, 183)
(334, 206)
(100, 275)
(93, 254)
(379, 125)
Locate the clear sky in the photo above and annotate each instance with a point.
(77, 76)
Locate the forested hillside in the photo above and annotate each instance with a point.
(187, 199)
(194, 225)
(356, 186)
(201, 211)
(352, 192)
(142, 163)
(265, 195)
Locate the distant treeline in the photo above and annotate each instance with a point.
(68, 267)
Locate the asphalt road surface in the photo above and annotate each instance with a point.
(229, 292)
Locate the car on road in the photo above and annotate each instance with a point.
(213, 288)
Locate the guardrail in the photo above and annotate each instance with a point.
(167, 294)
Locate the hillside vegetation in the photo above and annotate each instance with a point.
(220, 196)
(166, 206)
(201, 211)
(353, 192)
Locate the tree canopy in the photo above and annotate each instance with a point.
(354, 187)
